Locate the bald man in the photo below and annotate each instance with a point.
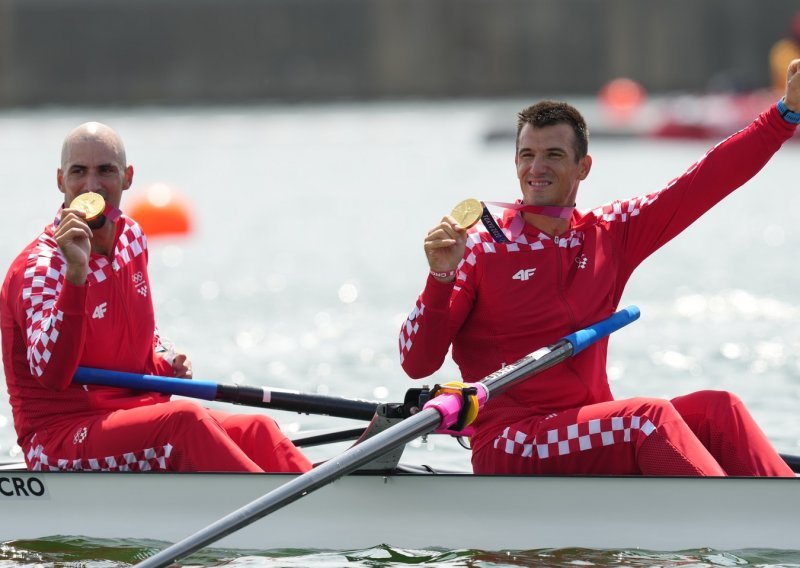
(79, 295)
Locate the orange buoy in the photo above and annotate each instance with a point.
(622, 96)
(161, 210)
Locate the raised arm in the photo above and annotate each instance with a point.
(427, 333)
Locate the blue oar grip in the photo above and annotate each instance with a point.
(581, 339)
(205, 390)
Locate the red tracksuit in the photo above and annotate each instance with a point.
(510, 299)
(50, 327)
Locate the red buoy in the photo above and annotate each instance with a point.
(621, 97)
(161, 210)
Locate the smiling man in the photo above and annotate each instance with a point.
(544, 270)
(80, 294)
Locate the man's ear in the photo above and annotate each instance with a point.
(60, 180)
(586, 166)
(128, 177)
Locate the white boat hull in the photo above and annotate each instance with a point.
(413, 510)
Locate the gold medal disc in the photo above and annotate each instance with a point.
(467, 212)
(90, 203)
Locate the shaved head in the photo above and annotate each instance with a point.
(93, 160)
(95, 132)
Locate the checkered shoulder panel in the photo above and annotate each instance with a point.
(132, 242)
(623, 211)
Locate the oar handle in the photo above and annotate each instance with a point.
(205, 390)
(293, 401)
(582, 338)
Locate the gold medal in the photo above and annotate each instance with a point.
(90, 203)
(467, 212)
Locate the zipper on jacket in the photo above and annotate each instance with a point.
(560, 281)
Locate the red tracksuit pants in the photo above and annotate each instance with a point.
(178, 435)
(703, 433)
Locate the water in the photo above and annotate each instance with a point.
(307, 255)
(108, 553)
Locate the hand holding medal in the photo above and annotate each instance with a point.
(445, 243)
(74, 237)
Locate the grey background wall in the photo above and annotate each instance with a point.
(201, 51)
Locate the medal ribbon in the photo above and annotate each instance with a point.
(111, 212)
(546, 210)
(516, 226)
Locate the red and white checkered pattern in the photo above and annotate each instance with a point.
(44, 278)
(409, 329)
(622, 211)
(482, 240)
(132, 242)
(42, 282)
(150, 459)
(574, 438)
(98, 268)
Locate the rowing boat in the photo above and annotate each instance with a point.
(412, 508)
(364, 497)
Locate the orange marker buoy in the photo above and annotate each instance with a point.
(622, 96)
(161, 210)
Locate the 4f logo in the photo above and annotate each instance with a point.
(100, 311)
(138, 282)
(524, 274)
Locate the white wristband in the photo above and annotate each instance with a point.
(443, 274)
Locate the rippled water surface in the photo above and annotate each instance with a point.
(105, 553)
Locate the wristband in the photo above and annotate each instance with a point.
(447, 274)
(788, 116)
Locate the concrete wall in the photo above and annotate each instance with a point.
(198, 51)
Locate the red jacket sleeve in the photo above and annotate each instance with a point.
(651, 221)
(52, 313)
(440, 311)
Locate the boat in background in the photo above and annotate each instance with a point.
(684, 117)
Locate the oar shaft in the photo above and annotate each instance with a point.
(547, 357)
(262, 397)
(423, 422)
(543, 358)
(297, 402)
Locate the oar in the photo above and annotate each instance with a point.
(263, 397)
(440, 412)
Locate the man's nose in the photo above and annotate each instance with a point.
(92, 182)
(536, 165)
